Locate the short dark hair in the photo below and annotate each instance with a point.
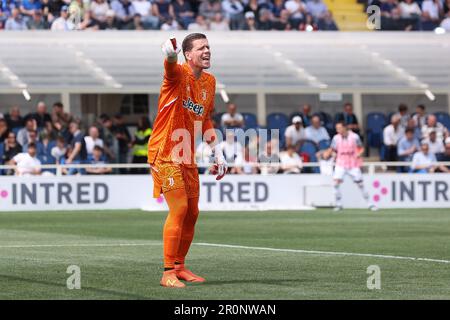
(421, 106)
(98, 148)
(31, 145)
(402, 107)
(341, 123)
(58, 104)
(188, 41)
(409, 130)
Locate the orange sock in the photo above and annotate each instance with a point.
(178, 208)
(187, 234)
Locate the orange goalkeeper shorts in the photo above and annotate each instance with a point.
(169, 176)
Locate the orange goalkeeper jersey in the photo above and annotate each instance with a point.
(184, 101)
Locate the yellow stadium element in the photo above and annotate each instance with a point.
(349, 15)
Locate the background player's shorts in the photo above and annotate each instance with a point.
(171, 176)
(340, 172)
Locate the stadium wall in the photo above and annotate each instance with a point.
(236, 192)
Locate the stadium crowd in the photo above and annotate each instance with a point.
(193, 15)
(57, 137)
(413, 14)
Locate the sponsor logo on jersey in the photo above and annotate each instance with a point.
(196, 108)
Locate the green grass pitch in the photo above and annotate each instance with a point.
(119, 254)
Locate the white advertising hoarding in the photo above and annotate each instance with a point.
(234, 192)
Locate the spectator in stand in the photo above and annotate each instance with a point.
(233, 153)
(111, 23)
(28, 7)
(250, 21)
(77, 149)
(45, 151)
(349, 118)
(61, 117)
(415, 128)
(203, 154)
(232, 118)
(27, 162)
(41, 116)
(306, 114)
(269, 160)
(111, 145)
(123, 137)
(265, 20)
(210, 8)
(404, 115)
(431, 11)
(14, 119)
(183, 13)
(163, 9)
(297, 12)
(234, 11)
(62, 23)
(15, 22)
(59, 151)
(218, 23)
(390, 15)
(10, 149)
(308, 24)
(420, 117)
(4, 130)
(291, 161)
(92, 140)
(98, 160)
(51, 9)
(33, 138)
(407, 146)
(434, 125)
(149, 14)
(278, 6)
(425, 162)
(254, 7)
(248, 164)
(435, 146)
(446, 156)
(327, 23)
(98, 9)
(391, 135)
(24, 133)
(170, 24)
(295, 133)
(200, 24)
(410, 14)
(317, 9)
(140, 143)
(37, 22)
(282, 23)
(124, 12)
(316, 132)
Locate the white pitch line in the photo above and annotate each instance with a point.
(334, 253)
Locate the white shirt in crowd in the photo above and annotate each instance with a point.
(420, 159)
(61, 24)
(26, 164)
(233, 152)
(392, 136)
(294, 162)
(91, 143)
(316, 135)
(409, 9)
(142, 7)
(436, 146)
(294, 134)
(432, 8)
(446, 24)
(203, 153)
(219, 26)
(228, 117)
(439, 128)
(293, 7)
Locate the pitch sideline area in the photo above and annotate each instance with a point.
(243, 255)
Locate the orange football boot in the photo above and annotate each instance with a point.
(169, 279)
(186, 274)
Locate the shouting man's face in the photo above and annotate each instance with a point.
(200, 55)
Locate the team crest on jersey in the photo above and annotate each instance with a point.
(196, 108)
(203, 94)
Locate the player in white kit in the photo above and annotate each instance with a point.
(349, 149)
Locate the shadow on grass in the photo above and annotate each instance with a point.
(118, 294)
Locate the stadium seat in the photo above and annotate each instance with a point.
(250, 120)
(389, 117)
(324, 144)
(376, 121)
(443, 118)
(279, 121)
(310, 148)
(327, 122)
(218, 117)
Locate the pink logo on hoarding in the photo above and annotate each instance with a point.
(3, 194)
(382, 191)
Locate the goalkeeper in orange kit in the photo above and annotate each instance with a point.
(185, 103)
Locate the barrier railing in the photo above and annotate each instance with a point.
(370, 166)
